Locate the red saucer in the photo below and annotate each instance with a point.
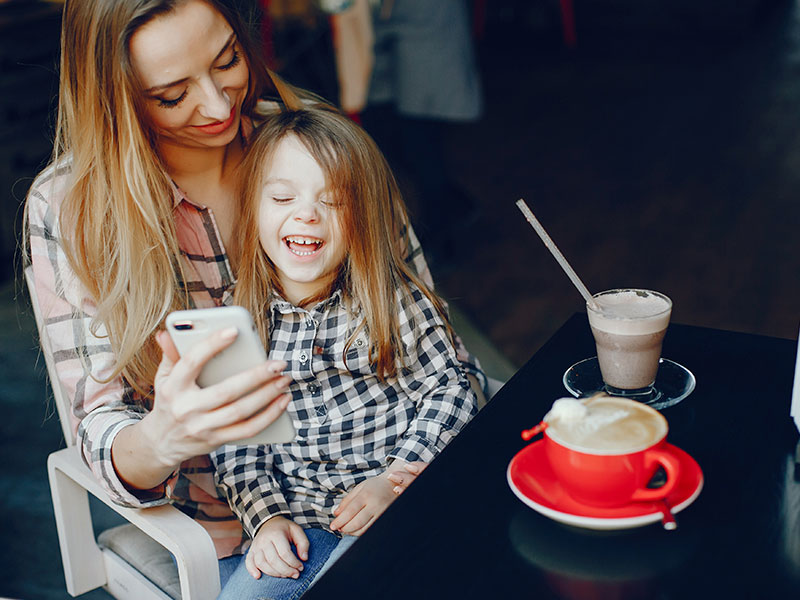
(531, 479)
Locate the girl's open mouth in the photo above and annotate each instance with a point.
(302, 245)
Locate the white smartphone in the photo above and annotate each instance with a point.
(189, 327)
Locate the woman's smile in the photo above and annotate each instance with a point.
(194, 78)
(219, 126)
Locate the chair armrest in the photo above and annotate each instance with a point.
(187, 540)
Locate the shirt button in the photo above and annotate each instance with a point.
(310, 321)
(313, 389)
(359, 342)
(303, 358)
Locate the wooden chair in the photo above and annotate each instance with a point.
(131, 561)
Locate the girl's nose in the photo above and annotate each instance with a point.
(216, 104)
(306, 212)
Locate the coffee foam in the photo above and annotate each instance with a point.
(630, 312)
(610, 426)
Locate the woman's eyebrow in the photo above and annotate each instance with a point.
(231, 39)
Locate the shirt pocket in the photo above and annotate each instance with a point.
(355, 360)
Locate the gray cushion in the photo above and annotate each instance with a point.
(145, 555)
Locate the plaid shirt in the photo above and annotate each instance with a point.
(83, 360)
(349, 423)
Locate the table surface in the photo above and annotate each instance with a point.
(459, 531)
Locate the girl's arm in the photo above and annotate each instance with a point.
(444, 404)
(244, 473)
(433, 376)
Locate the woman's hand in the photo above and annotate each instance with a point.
(188, 420)
(194, 420)
(271, 551)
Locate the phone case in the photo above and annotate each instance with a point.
(189, 327)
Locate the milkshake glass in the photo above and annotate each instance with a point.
(628, 326)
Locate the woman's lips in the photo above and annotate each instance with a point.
(219, 126)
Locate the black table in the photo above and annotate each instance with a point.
(459, 532)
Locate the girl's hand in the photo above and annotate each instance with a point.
(363, 504)
(271, 551)
(188, 421)
(406, 475)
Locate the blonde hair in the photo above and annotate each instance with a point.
(373, 220)
(116, 220)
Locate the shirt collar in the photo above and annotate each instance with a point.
(279, 304)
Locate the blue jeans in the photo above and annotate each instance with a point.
(238, 584)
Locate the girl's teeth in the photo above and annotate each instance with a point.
(292, 241)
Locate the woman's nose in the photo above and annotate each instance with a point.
(216, 103)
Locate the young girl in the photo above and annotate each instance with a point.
(375, 378)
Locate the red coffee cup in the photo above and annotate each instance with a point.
(608, 458)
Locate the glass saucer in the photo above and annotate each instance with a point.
(673, 383)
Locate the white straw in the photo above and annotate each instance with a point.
(573, 276)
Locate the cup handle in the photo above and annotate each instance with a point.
(671, 465)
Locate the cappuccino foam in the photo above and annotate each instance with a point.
(610, 426)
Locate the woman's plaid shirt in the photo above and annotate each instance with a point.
(350, 424)
(83, 360)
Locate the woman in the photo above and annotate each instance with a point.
(131, 220)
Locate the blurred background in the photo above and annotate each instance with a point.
(658, 141)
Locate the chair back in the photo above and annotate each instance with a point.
(61, 399)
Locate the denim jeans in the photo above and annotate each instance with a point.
(238, 584)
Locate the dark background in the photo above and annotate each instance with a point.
(661, 152)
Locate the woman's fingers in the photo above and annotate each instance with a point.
(242, 396)
(188, 368)
(255, 424)
(168, 349)
(257, 387)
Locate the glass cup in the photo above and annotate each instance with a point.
(628, 326)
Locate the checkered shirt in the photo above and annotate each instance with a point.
(83, 359)
(350, 425)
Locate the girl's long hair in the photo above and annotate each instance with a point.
(373, 221)
(116, 219)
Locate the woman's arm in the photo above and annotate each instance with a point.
(188, 421)
(99, 409)
(130, 449)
